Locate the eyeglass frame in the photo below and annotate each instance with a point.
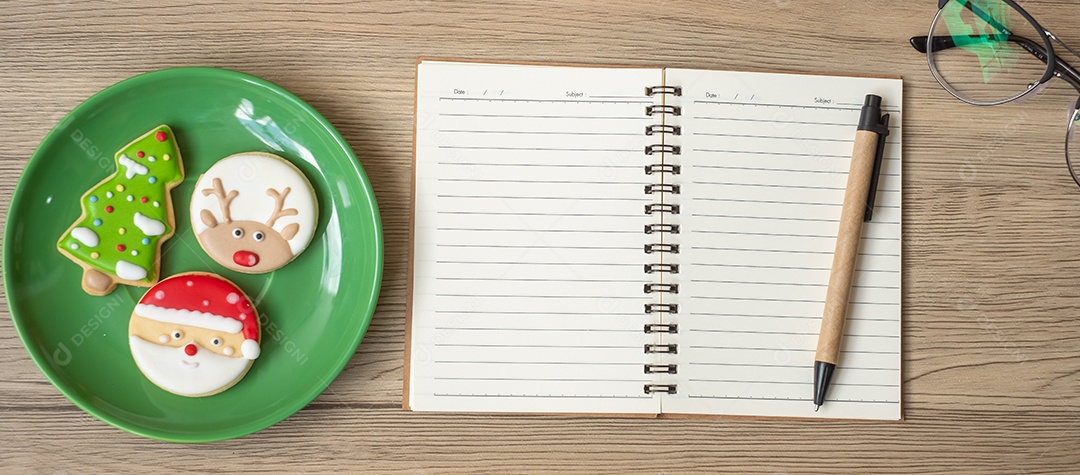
(1055, 66)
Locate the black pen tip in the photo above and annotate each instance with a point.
(816, 408)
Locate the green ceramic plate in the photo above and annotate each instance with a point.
(315, 310)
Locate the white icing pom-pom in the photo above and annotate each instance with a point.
(250, 349)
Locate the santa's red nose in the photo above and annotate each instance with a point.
(245, 258)
(190, 349)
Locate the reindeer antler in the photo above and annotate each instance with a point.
(223, 199)
(279, 203)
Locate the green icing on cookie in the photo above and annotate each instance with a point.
(127, 216)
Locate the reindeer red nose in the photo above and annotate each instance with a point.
(190, 349)
(245, 258)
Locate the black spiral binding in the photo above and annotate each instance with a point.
(663, 168)
(671, 308)
(665, 288)
(661, 368)
(662, 189)
(660, 247)
(654, 90)
(661, 328)
(661, 208)
(657, 188)
(660, 388)
(663, 129)
(663, 109)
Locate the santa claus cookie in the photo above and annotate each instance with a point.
(253, 212)
(194, 334)
(127, 216)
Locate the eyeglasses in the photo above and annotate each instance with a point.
(989, 52)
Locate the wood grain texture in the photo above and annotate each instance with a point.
(991, 328)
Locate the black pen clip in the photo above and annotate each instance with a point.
(873, 121)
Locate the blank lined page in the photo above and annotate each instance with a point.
(765, 160)
(528, 265)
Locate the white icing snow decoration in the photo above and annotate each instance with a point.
(132, 167)
(149, 226)
(86, 236)
(128, 271)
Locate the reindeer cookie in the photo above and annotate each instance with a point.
(253, 212)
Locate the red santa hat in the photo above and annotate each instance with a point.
(204, 301)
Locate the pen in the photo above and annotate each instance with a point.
(858, 207)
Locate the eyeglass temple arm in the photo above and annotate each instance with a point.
(944, 42)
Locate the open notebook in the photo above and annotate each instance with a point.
(644, 241)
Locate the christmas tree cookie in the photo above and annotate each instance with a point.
(127, 216)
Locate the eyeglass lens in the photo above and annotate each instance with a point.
(1072, 142)
(977, 53)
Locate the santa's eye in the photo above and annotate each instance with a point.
(258, 235)
(238, 233)
(177, 335)
(216, 342)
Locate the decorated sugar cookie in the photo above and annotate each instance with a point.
(127, 216)
(194, 334)
(253, 212)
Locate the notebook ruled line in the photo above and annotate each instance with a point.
(578, 396)
(543, 296)
(542, 231)
(800, 350)
(519, 329)
(526, 116)
(536, 246)
(543, 165)
(799, 284)
(570, 198)
(544, 182)
(602, 380)
(495, 213)
(536, 312)
(782, 137)
(541, 101)
(473, 345)
(540, 279)
(786, 154)
(541, 132)
(801, 383)
(803, 317)
(792, 106)
(813, 333)
(538, 149)
(787, 251)
(806, 203)
(780, 170)
(739, 233)
(777, 121)
(751, 398)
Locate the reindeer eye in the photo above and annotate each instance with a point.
(216, 342)
(177, 335)
(238, 233)
(258, 235)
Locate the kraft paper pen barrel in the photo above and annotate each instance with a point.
(858, 207)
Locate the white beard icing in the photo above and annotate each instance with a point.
(174, 371)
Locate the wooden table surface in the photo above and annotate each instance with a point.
(991, 334)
